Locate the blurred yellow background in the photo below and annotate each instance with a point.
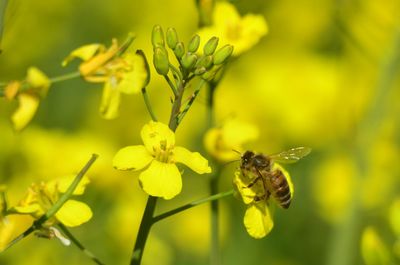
(325, 76)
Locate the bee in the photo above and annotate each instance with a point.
(273, 180)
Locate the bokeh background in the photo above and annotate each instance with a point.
(325, 76)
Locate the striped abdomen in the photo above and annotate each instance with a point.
(280, 189)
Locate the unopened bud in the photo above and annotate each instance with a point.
(205, 61)
(200, 71)
(194, 43)
(223, 54)
(172, 38)
(160, 60)
(210, 46)
(157, 36)
(189, 60)
(179, 50)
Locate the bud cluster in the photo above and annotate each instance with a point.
(191, 61)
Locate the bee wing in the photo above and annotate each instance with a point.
(292, 155)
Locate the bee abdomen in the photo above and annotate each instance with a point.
(281, 189)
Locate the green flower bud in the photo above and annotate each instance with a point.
(210, 46)
(223, 54)
(205, 61)
(210, 74)
(172, 38)
(160, 60)
(189, 60)
(194, 43)
(200, 71)
(179, 50)
(157, 36)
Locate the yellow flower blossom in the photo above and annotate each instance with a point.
(158, 156)
(127, 73)
(257, 219)
(222, 142)
(241, 32)
(41, 197)
(28, 93)
(373, 250)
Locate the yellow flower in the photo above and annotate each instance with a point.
(158, 156)
(28, 93)
(257, 219)
(41, 197)
(222, 142)
(373, 250)
(230, 28)
(127, 73)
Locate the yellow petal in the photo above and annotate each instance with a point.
(84, 52)
(11, 90)
(63, 183)
(27, 106)
(161, 180)
(134, 80)
(109, 108)
(132, 158)
(38, 81)
(157, 136)
(74, 213)
(257, 220)
(247, 188)
(373, 250)
(225, 14)
(193, 160)
(30, 208)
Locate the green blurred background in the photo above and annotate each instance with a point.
(325, 76)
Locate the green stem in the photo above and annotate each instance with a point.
(144, 230)
(176, 108)
(65, 77)
(192, 99)
(171, 85)
(191, 205)
(79, 244)
(38, 223)
(148, 105)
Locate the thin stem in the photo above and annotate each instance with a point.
(191, 100)
(191, 205)
(59, 203)
(148, 105)
(171, 85)
(65, 77)
(79, 244)
(176, 108)
(176, 72)
(144, 230)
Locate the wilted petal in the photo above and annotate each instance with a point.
(27, 106)
(109, 107)
(157, 136)
(74, 213)
(85, 53)
(257, 220)
(132, 158)
(137, 77)
(161, 180)
(193, 160)
(38, 81)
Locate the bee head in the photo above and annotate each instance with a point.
(246, 157)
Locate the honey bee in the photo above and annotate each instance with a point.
(273, 180)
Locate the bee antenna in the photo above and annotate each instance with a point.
(236, 151)
(230, 162)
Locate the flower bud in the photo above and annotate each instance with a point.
(205, 61)
(210, 46)
(200, 71)
(194, 43)
(188, 60)
(223, 54)
(179, 50)
(172, 38)
(157, 36)
(160, 60)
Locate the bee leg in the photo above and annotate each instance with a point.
(253, 182)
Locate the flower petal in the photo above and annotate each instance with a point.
(193, 160)
(134, 157)
(63, 183)
(135, 79)
(84, 52)
(247, 193)
(161, 180)
(157, 136)
(74, 213)
(38, 81)
(27, 106)
(33, 208)
(109, 108)
(257, 220)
